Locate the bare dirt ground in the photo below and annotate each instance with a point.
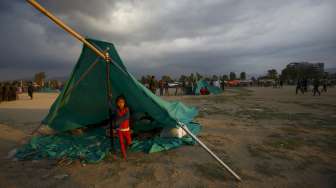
(270, 137)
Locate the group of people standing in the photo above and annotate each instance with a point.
(181, 88)
(9, 92)
(186, 87)
(153, 85)
(302, 86)
(163, 87)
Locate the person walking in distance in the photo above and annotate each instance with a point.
(299, 87)
(161, 86)
(316, 87)
(30, 91)
(166, 88)
(152, 84)
(324, 89)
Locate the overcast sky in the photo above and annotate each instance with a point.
(170, 37)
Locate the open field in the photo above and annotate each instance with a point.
(270, 137)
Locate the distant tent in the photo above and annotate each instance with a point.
(212, 89)
(48, 90)
(84, 103)
(233, 83)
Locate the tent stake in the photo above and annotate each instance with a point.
(185, 128)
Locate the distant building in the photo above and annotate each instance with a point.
(316, 67)
(297, 70)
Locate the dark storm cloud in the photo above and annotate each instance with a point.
(171, 37)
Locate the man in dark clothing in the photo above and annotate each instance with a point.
(15, 92)
(324, 86)
(166, 87)
(223, 83)
(161, 85)
(281, 83)
(152, 84)
(193, 87)
(30, 91)
(183, 88)
(299, 87)
(316, 87)
(12, 92)
(6, 92)
(305, 85)
(1, 93)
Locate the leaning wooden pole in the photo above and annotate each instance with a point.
(65, 27)
(101, 54)
(185, 128)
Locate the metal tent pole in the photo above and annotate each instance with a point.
(185, 128)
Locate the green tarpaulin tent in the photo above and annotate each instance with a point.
(212, 89)
(86, 102)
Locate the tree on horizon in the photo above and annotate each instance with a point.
(39, 78)
(232, 76)
(272, 74)
(242, 76)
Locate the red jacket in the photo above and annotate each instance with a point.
(122, 119)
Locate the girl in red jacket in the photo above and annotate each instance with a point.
(122, 124)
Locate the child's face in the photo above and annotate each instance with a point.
(121, 103)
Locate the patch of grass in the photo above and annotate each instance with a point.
(264, 151)
(311, 105)
(258, 151)
(331, 174)
(293, 130)
(325, 142)
(273, 147)
(327, 122)
(210, 109)
(286, 143)
(307, 120)
(307, 161)
(269, 169)
(317, 122)
(145, 174)
(211, 171)
(255, 113)
(243, 92)
(297, 116)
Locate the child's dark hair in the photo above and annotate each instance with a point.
(121, 97)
